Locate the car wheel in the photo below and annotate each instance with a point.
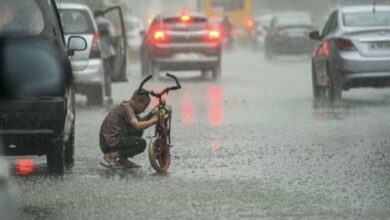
(56, 157)
(268, 53)
(335, 90)
(69, 149)
(144, 68)
(216, 71)
(317, 90)
(154, 68)
(204, 73)
(95, 95)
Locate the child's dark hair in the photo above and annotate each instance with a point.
(141, 95)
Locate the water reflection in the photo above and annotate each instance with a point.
(339, 110)
(215, 96)
(216, 145)
(215, 107)
(187, 109)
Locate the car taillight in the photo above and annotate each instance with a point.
(250, 23)
(95, 49)
(344, 44)
(185, 18)
(25, 167)
(159, 36)
(213, 36)
(323, 50)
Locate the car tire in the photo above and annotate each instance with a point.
(95, 95)
(335, 90)
(268, 53)
(216, 71)
(144, 68)
(154, 68)
(56, 157)
(204, 73)
(317, 93)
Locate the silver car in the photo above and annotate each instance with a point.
(77, 19)
(354, 51)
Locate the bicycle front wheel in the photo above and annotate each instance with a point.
(159, 154)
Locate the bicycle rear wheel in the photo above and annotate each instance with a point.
(160, 153)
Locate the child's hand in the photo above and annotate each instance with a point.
(159, 112)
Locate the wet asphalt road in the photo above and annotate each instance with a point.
(250, 146)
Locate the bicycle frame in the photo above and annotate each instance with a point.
(159, 154)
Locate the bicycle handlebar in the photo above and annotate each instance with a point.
(166, 90)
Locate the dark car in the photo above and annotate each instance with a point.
(36, 96)
(353, 51)
(181, 42)
(288, 34)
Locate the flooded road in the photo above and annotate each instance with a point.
(251, 145)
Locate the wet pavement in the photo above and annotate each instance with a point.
(250, 146)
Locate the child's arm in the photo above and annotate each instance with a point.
(141, 125)
(148, 116)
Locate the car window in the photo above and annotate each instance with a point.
(195, 23)
(76, 21)
(20, 18)
(328, 26)
(366, 19)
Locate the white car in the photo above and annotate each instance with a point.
(134, 27)
(77, 19)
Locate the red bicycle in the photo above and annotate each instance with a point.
(159, 148)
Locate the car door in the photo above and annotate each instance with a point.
(115, 15)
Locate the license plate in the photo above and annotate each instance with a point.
(187, 56)
(380, 45)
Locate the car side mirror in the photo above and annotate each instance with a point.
(315, 35)
(76, 43)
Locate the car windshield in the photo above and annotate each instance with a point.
(20, 18)
(366, 19)
(76, 22)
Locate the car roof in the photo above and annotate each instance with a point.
(291, 13)
(361, 8)
(178, 14)
(76, 6)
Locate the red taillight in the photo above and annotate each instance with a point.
(250, 23)
(159, 36)
(95, 49)
(323, 50)
(344, 44)
(213, 35)
(25, 167)
(185, 18)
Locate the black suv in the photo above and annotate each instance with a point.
(184, 41)
(36, 98)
